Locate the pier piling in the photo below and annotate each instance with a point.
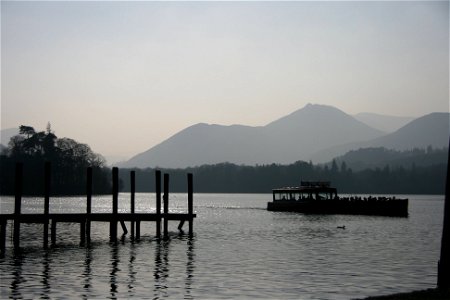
(85, 220)
(47, 180)
(166, 204)
(3, 238)
(115, 205)
(158, 202)
(18, 185)
(190, 203)
(82, 233)
(53, 232)
(138, 230)
(443, 280)
(132, 192)
(88, 203)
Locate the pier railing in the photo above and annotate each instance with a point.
(86, 219)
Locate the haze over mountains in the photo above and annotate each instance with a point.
(315, 132)
(384, 123)
(429, 130)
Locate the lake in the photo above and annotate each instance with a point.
(239, 250)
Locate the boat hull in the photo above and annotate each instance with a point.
(393, 208)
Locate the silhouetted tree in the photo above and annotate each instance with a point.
(26, 130)
(69, 160)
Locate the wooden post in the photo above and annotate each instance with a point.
(158, 202)
(132, 188)
(115, 205)
(124, 228)
(3, 238)
(180, 226)
(47, 179)
(53, 232)
(190, 204)
(138, 230)
(166, 204)
(444, 262)
(83, 233)
(18, 184)
(88, 203)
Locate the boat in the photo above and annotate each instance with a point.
(318, 197)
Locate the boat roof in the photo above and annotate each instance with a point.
(308, 186)
(304, 189)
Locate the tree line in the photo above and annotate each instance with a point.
(69, 161)
(231, 178)
(379, 157)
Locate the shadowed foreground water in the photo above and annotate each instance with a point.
(239, 250)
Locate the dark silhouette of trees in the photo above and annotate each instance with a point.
(231, 178)
(69, 161)
(371, 158)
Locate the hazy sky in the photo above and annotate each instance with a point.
(124, 76)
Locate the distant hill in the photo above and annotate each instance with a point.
(384, 123)
(288, 139)
(372, 158)
(430, 130)
(203, 144)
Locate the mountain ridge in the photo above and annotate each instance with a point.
(384, 123)
(316, 133)
(276, 142)
(429, 130)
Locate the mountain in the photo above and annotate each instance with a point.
(430, 130)
(384, 123)
(286, 140)
(202, 144)
(314, 127)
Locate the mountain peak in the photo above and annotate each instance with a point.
(314, 106)
(297, 136)
(312, 115)
(290, 138)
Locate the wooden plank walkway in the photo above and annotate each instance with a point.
(86, 219)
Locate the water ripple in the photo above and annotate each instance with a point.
(239, 250)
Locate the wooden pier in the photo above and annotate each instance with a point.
(86, 219)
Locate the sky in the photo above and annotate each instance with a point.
(124, 76)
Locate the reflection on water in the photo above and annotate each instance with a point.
(45, 276)
(121, 271)
(131, 272)
(87, 274)
(18, 279)
(269, 254)
(190, 266)
(114, 268)
(161, 272)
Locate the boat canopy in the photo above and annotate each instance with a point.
(307, 191)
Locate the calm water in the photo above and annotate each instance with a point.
(239, 250)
